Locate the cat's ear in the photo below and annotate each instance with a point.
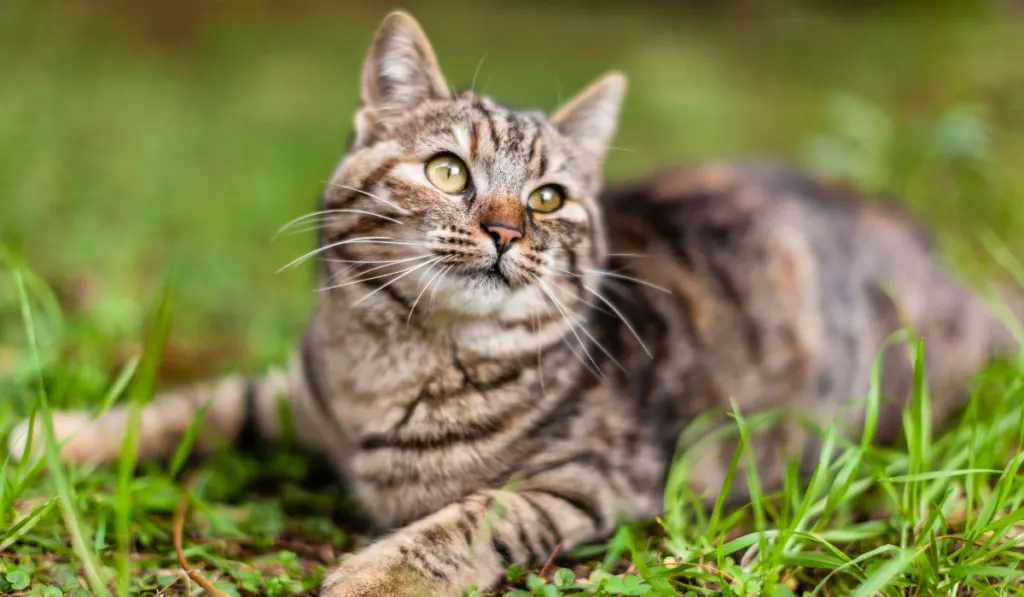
(400, 72)
(591, 117)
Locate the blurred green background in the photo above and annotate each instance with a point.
(141, 138)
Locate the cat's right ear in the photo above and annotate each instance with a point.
(400, 72)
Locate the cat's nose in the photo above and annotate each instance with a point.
(503, 234)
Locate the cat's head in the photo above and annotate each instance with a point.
(456, 204)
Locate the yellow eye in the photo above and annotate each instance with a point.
(546, 199)
(448, 173)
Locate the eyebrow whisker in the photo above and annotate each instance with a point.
(400, 210)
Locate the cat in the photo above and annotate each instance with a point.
(503, 356)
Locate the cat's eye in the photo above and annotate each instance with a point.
(448, 173)
(546, 199)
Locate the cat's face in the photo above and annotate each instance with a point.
(458, 205)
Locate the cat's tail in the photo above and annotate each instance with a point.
(235, 410)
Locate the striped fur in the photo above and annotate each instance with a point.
(493, 408)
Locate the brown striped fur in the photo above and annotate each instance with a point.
(494, 407)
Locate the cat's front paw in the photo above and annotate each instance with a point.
(364, 575)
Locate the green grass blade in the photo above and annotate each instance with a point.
(1002, 490)
(802, 516)
(917, 428)
(123, 496)
(118, 387)
(840, 489)
(885, 573)
(730, 475)
(5, 504)
(967, 572)
(864, 531)
(11, 534)
(853, 563)
(939, 475)
(142, 391)
(731, 547)
(184, 448)
(33, 473)
(753, 482)
(810, 559)
(1004, 522)
(827, 545)
(874, 397)
(65, 492)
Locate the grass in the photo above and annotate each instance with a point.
(140, 149)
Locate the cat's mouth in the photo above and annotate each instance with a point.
(489, 274)
(494, 274)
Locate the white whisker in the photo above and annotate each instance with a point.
(433, 292)
(324, 212)
(619, 288)
(583, 329)
(400, 210)
(363, 261)
(360, 280)
(572, 318)
(607, 282)
(425, 287)
(581, 299)
(630, 278)
(621, 317)
(593, 369)
(380, 240)
(327, 247)
(327, 225)
(375, 268)
(297, 231)
(472, 86)
(404, 274)
(301, 219)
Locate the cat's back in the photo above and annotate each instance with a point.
(758, 283)
(740, 222)
(753, 195)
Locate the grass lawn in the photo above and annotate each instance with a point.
(148, 155)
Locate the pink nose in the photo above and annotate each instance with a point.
(503, 234)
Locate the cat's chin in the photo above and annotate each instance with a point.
(478, 297)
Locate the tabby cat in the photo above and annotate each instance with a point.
(503, 356)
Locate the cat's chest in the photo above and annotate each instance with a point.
(451, 426)
(367, 368)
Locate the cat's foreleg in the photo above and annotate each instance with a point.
(473, 541)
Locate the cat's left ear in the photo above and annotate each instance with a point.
(400, 72)
(591, 117)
